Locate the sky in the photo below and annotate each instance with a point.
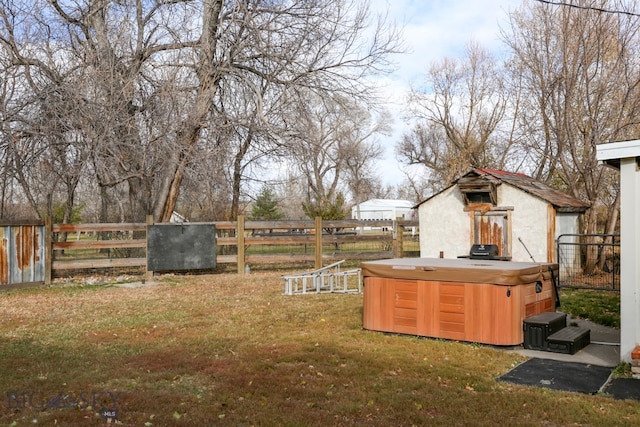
(433, 30)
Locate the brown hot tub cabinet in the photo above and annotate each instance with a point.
(480, 301)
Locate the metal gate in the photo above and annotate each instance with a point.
(589, 261)
(22, 254)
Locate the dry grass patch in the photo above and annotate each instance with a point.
(233, 350)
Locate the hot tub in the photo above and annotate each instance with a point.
(480, 301)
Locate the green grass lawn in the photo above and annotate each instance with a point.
(601, 307)
(233, 350)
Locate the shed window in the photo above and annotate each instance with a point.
(478, 191)
(480, 197)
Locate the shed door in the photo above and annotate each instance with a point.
(492, 228)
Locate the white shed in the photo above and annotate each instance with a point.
(520, 215)
(377, 209)
(176, 218)
(625, 156)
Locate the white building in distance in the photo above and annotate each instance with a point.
(382, 209)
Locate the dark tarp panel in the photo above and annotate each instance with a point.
(181, 247)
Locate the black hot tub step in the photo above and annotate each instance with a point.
(569, 340)
(539, 327)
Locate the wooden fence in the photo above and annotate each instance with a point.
(120, 245)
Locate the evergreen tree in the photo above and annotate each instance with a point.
(266, 206)
(329, 210)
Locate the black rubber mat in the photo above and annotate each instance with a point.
(623, 388)
(553, 374)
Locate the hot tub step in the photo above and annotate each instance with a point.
(569, 340)
(538, 328)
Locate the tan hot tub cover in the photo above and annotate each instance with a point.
(465, 270)
(482, 301)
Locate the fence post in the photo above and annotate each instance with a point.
(240, 251)
(398, 240)
(48, 250)
(318, 242)
(148, 276)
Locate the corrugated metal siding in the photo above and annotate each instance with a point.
(491, 229)
(22, 257)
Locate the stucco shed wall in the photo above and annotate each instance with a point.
(445, 225)
(529, 223)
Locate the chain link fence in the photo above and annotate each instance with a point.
(589, 261)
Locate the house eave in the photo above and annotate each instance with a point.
(571, 209)
(611, 153)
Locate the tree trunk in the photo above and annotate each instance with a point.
(591, 249)
(208, 78)
(612, 221)
(138, 206)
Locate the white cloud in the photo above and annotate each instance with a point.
(433, 30)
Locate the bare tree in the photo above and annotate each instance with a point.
(317, 149)
(458, 115)
(155, 75)
(253, 124)
(363, 149)
(332, 142)
(581, 81)
(303, 44)
(292, 191)
(208, 189)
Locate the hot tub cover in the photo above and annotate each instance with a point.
(461, 270)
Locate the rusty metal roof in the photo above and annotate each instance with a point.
(563, 202)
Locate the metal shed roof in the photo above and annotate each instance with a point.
(561, 201)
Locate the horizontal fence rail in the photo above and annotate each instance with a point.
(94, 246)
(69, 248)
